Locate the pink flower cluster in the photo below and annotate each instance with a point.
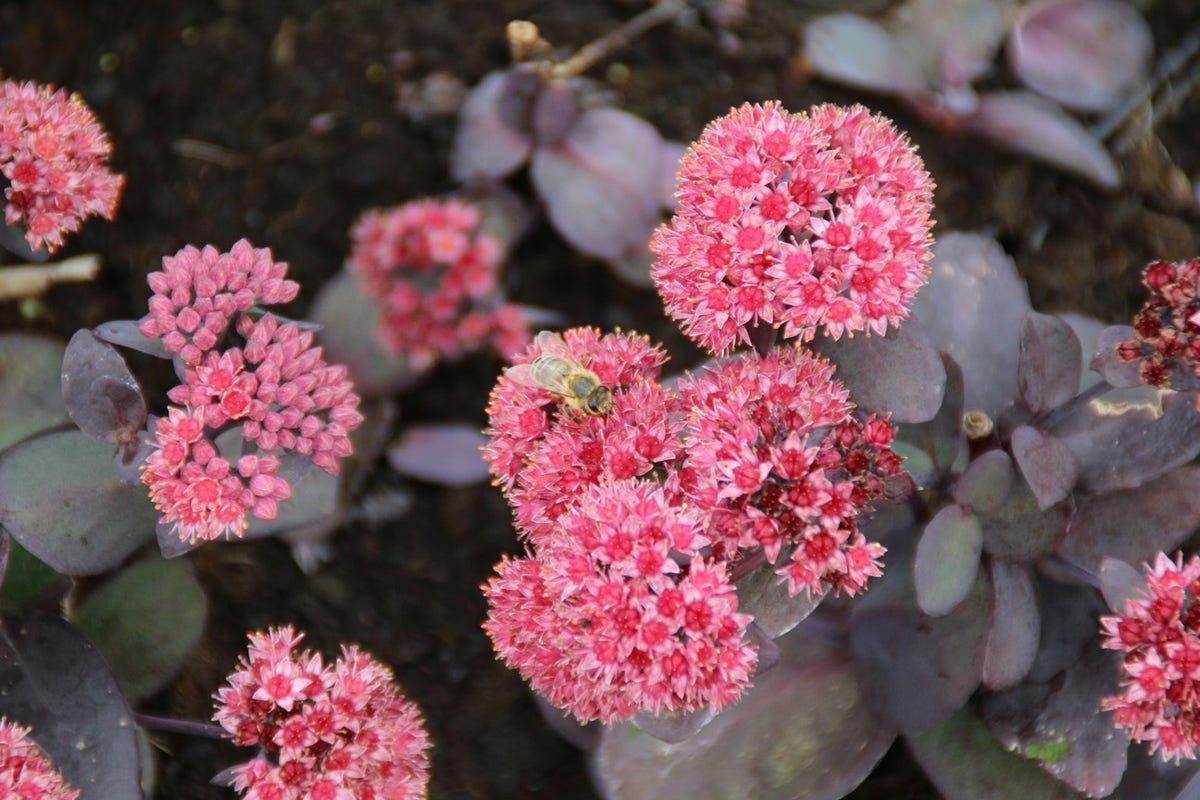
(54, 154)
(795, 221)
(328, 732)
(1159, 635)
(618, 612)
(275, 382)
(1166, 330)
(435, 277)
(761, 462)
(25, 772)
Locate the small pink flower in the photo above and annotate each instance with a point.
(435, 276)
(761, 460)
(25, 771)
(328, 732)
(1159, 635)
(795, 221)
(1166, 340)
(617, 612)
(55, 156)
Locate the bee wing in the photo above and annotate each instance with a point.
(553, 344)
(521, 374)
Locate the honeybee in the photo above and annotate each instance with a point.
(556, 371)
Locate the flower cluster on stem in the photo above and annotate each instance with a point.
(1166, 340)
(241, 367)
(1158, 634)
(435, 278)
(54, 155)
(25, 772)
(340, 731)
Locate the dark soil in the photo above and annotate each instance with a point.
(210, 106)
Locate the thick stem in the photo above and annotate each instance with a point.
(188, 727)
(593, 52)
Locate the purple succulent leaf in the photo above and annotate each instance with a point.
(491, 141)
(1087, 330)
(947, 560)
(810, 701)
(314, 501)
(1020, 530)
(1135, 524)
(634, 267)
(1088, 55)
(954, 41)
(349, 320)
(1149, 776)
(447, 454)
(503, 213)
(673, 729)
(127, 461)
(5, 549)
(600, 185)
(917, 670)
(941, 440)
(900, 373)
(1059, 724)
(100, 393)
(669, 153)
(1048, 465)
(1051, 362)
(853, 50)
(561, 722)
(55, 681)
(1120, 374)
(1120, 582)
(555, 112)
(965, 762)
(763, 595)
(986, 482)
(30, 387)
(972, 309)
(1012, 642)
(60, 499)
(125, 333)
(1068, 613)
(1039, 128)
(1127, 438)
(169, 543)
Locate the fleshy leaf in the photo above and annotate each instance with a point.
(25, 577)
(1121, 374)
(443, 453)
(1051, 362)
(947, 560)
(146, 619)
(972, 309)
(1088, 55)
(1047, 464)
(1012, 642)
(1121, 443)
(669, 153)
(763, 595)
(986, 482)
(1019, 530)
(55, 681)
(900, 373)
(125, 333)
(941, 439)
(100, 393)
(349, 320)
(62, 502)
(487, 143)
(965, 762)
(1037, 127)
(30, 387)
(1120, 582)
(1068, 615)
(856, 51)
(803, 732)
(600, 185)
(676, 728)
(1058, 723)
(917, 670)
(1135, 524)
(1148, 776)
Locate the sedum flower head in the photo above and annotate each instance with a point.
(616, 612)
(1166, 340)
(327, 732)
(1159, 637)
(25, 772)
(795, 221)
(240, 368)
(55, 156)
(773, 455)
(435, 277)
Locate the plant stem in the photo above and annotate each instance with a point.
(188, 727)
(598, 49)
(1047, 420)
